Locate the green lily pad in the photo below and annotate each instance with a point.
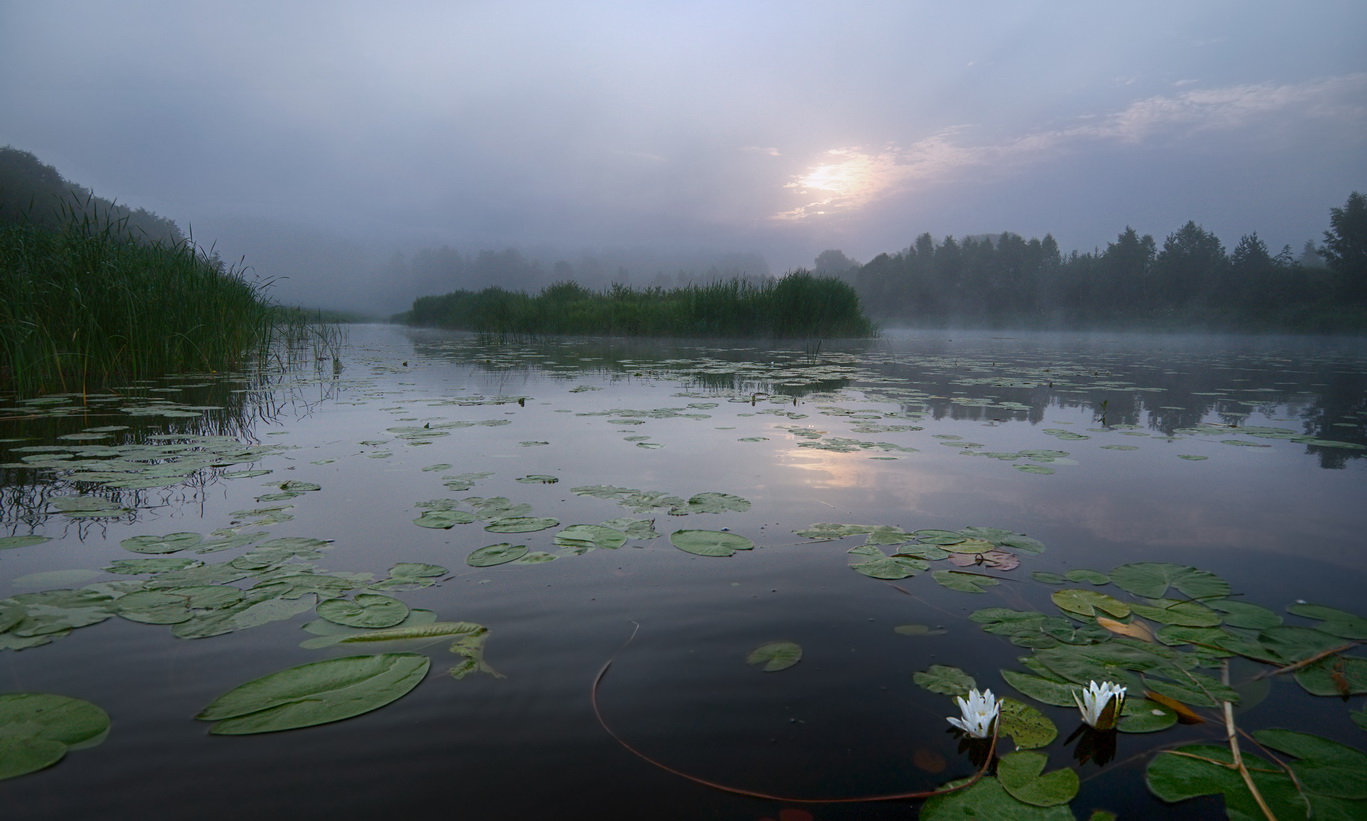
(918, 630)
(319, 692)
(964, 582)
(38, 728)
(11, 542)
(366, 610)
(1088, 576)
(775, 655)
(587, 537)
(1152, 579)
(712, 502)
(443, 519)
(709, 542)
(890, 567)
(1022, 775)
(988, 799)
(161, 544)
(496, 554)
(428, 630)
(1026, 726)
(521, 524)
(1088, 602)
(945, 680)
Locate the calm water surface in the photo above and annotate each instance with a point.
(1108, 449)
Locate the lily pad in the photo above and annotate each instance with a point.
(319, 692)
(709, 542)
(964, 582)
(1152, 579)
(1022, 775)
(366, 610)
(521, 524)
(496, 554)
(587, 537)
(945, 680)
(38, 728)
(775, 655)
(988, 799)
(161, 544)
(11, 542)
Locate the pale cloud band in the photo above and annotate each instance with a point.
(843, 180)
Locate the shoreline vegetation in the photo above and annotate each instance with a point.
(94, 295)
(800, 305)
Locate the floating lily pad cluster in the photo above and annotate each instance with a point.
(1167, 635)
(987, 548)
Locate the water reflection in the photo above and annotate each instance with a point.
(1305, 390)
(151, 444)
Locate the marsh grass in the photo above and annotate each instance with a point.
(92, 305)
(798, 305)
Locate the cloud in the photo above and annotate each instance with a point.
(844, 180)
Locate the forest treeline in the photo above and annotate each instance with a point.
(1190, 281)
(35, 194)
(797, 305)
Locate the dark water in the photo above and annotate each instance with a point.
(1280, 518)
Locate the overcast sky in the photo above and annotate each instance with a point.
(783, 128)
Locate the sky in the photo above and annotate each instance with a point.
(314, 139)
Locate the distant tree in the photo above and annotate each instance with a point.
(1126, 267)
(1310, 256)
(1345, 246)
(1192, 265)
(833, 263)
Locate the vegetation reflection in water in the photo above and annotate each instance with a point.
(1187, 648)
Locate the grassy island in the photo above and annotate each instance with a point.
(798, 305)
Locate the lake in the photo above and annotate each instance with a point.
(750, 499)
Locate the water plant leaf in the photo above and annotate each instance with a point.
(1149, 715)
(945, 680)
(987, 799)
(588, 537)
(918, 630)
(1177, 612)
(1022, 775)
(712, 502)
(431, 630)
(12, 542)
(496, 554)
(1089, 576)
(443, 519)
(1324, 767)
(890, 567)
(1046, 691)
(709, 542)
(1201, 769)
(1088, 602)
(1335, 622)
(521, 524)
(36, 730)
(319, 692)
(366, 610)
(775, 655)
(1135, 629)
(1152, 580)
(1026, 726)
(939, 537)
(161, 544)
(969, 545)
(963, 582)
(1341, 676)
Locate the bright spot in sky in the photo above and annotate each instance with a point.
(843, 179)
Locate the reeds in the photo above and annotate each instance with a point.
(798, 305)
(90, 306)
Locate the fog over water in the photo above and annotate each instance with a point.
(327, 144)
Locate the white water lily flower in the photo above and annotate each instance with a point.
(979, 711)
(1100, 704)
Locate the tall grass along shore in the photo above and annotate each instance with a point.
(799, 305)
(92, 304)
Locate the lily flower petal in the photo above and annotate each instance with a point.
(1100, 704)
(979, 711)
